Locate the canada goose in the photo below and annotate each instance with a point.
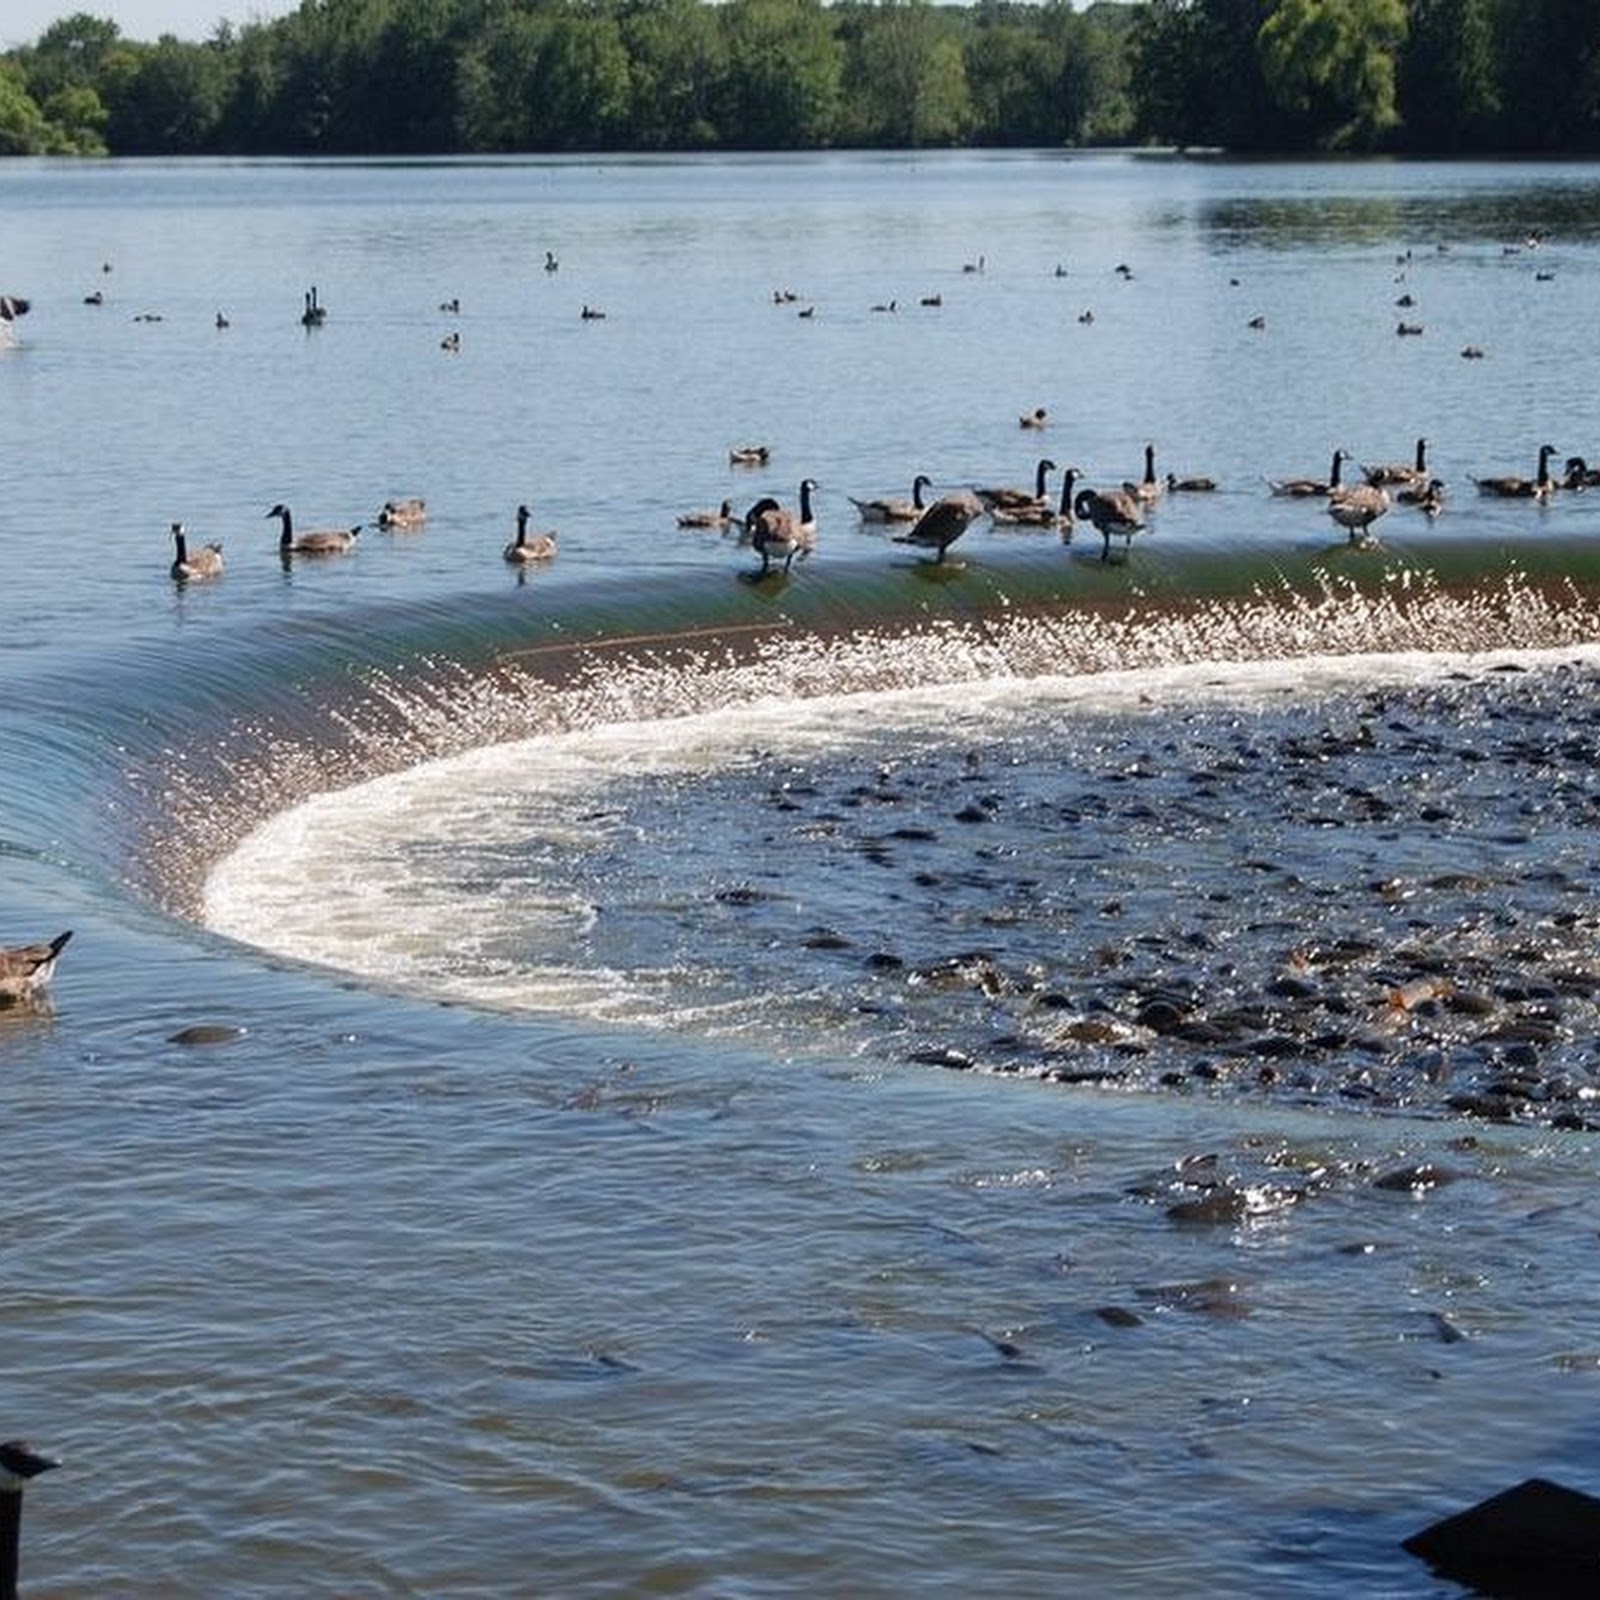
(451, 343)
(1303, 488)
(775, 531)
(1113, 512)
(1580, 475)
(1357, 507)
(1391, 472)
(19, 1462)
(1148, 490)
(887, 305)
(452, 306)
(94, 298)
(1426, 497)
(943, 523)
(1257, 324)
(222, 321)
(550, 262)
(592, 314)
(12, 306)
(528, 547)
(1012, 499)
(1409, 330)
(1040, 513)
(893, 510)
(973, 266)
(1472, 352)
(1177, 485)
(25, 969)
(314, 313)
(409, 513)
(1037, 418)
(187, 565)
(720, 519)
(749, 455)
(318, 542)
(932, 300)
(1538, 487)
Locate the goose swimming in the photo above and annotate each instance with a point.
(893, 510)
(1539, 487)
(943, 523)
(1011, 498)
(1040, 513)
(1303, 488)
(749, 455)
(318, 542)
(26, 969)
(1197, 485)
(1114, 512)
(20, 1463)
(1148, 489)
(721, 519)
(1389, 473)
(191, 564)
(528, 547)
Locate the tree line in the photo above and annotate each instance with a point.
(415, 77)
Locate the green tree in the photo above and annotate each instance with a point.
(904, 81)
(1449, 88)
(77, 120)
(1331, 64)
(23, 131)
(677, 56)
(1551, 55)
(782, 85)
(1196, 75)
(171, 102)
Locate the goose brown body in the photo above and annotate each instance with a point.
(893, 510)
(1306, 488)
(529, 547)
(943, 523)
(25, 969)
(1538, 487)
(316, 542)
(189, 565)
(1010, 498)
(1114, 512)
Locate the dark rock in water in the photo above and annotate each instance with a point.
(1119, 1317)
(825, 939)
(206, 1033)
(1538, 1541)
(1415, 1179)
(942, 1056)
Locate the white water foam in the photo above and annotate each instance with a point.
(452, 878)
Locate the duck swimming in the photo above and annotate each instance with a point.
(411, 513)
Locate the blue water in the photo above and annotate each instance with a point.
(549, 1208)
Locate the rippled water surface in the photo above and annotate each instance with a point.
(1069, 1075)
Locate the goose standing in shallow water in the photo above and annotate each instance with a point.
(411, 513)
(1303, 488)
(1010, 498)
(1357, 507)
(942, 524)
(186, 564)
(318, 542)
(892, 510)
(1539, 487)
(1114, 512)
(19, 1464)
(721, 519)
(776, 533)
(528, 547)
(26, 969)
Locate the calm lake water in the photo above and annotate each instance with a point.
(1064, 1075)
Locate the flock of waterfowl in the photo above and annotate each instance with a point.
(779, 533)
